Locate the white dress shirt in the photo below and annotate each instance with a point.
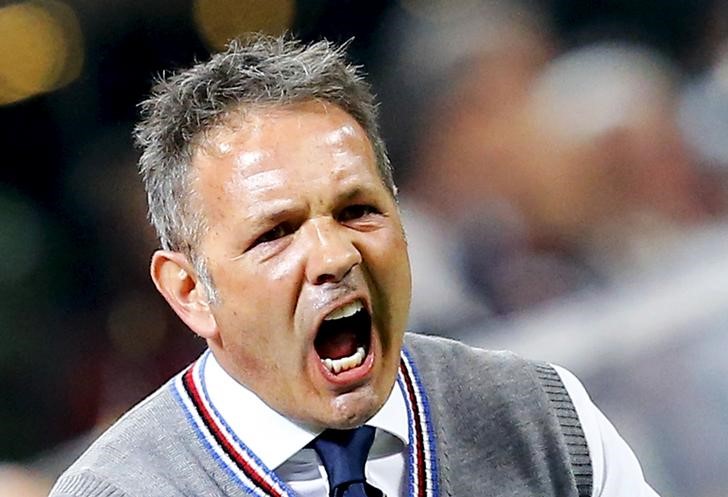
(280, 444)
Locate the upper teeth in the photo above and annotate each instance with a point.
(345, 311)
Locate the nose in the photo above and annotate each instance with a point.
(332, 252)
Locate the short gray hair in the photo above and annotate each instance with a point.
(260, 70)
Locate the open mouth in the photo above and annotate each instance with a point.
(343, 339)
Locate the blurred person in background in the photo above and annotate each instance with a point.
(454, 88)
(703, 117)
(654, 188)
(662, 328)
(583, 218)
(614, 183)
(683, 309)
(532, 179)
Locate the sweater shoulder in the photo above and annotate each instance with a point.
(456, 374)
(496, 410)
(431, 353)
(133, 455)
(85, 483)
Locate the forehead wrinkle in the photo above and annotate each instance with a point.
(256, 183)
(255, 169)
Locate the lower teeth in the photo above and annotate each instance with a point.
(345, 363)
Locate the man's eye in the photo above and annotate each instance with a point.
(279, 231)
(357, 211)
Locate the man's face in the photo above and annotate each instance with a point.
(306, 249)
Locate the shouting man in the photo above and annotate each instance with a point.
(282, 247)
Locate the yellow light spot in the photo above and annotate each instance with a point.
(40, 48)
(219, 21)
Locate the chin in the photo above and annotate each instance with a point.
(353, 409)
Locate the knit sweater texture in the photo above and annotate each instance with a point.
(499, 426)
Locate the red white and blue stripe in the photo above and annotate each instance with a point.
(423, 471)
(244, 467)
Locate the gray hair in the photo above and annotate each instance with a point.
(184, 105)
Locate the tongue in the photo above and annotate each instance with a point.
(337, 345)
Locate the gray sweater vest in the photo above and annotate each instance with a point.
(481, 423)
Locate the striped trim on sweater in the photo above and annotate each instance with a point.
(244, 467)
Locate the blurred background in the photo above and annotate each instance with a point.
(564, 175)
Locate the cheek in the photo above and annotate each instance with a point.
(284, 268)
(392, 255)
(255, 313)
(261, 289)
(388, 263)
(402, 281)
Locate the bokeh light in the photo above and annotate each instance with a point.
(219, 21)
(41, 49)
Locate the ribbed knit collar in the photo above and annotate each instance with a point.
(244, 466)
(271, 436)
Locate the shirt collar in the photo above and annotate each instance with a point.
(272, 437)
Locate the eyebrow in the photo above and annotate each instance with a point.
(354, 192)
(270, 211)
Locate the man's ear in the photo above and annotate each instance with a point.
(177, 281)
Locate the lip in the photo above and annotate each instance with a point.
(353, 377)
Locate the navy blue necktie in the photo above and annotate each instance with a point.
(344, 454)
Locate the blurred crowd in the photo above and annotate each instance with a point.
(570, 202)
(565, 196)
